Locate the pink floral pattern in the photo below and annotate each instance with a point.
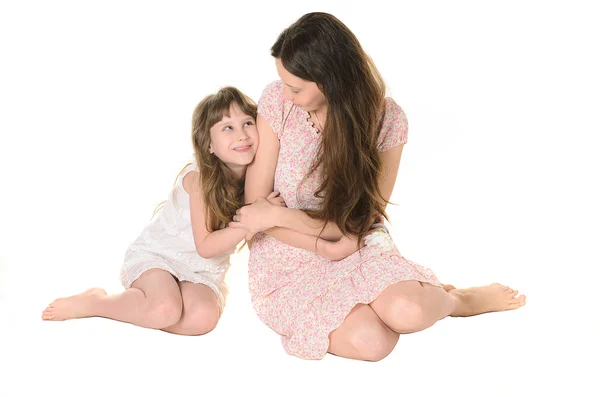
(297, 293)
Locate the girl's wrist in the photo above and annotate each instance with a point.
(278, 215)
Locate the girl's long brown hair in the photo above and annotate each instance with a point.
(320, 48)
(222, 194)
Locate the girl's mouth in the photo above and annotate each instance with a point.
(242, 149)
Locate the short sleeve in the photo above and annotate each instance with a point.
(394, 127)
(270, 105)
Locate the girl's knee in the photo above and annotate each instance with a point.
(201, 317)
(405, 315)
(164, 312)
(373, 341)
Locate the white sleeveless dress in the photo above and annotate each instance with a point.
(167, 243)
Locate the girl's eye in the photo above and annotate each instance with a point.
(295, 91)
(249, 123)
(227, 128)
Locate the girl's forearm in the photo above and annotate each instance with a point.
(220, 241)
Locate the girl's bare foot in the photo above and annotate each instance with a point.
(76, 306)
(491, 298)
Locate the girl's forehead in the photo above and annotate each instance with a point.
(234, 113)
(235, 110)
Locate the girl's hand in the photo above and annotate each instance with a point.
(275, 199)
(260, 215)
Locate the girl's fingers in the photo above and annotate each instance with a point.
(273, 195)
(277, 201)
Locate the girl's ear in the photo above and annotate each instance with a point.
(210, 149)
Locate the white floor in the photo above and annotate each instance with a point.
(538, 350)
(498, 182)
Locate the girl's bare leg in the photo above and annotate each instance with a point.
(200, 310)
(153, 301)
(411, 306)
(362, 336)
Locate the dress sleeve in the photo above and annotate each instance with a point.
(394, 127)
(270, 106)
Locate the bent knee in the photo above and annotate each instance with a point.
(163, 313)
(201, 317)
(373, 341)
(405, 315)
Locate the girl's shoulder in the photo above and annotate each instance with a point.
(273, 91)
(271, 105)
(188, 178)
(394, 126)
(191, 182)
(271, 100)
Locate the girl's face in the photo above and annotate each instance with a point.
(302, 93)
(234, 139)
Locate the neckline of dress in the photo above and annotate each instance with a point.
(306, 119)
(310, 123)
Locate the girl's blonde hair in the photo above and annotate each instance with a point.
(222, 194)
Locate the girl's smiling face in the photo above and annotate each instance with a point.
(234, 139)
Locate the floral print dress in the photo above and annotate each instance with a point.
(299, 294)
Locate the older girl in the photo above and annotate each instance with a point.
(331, 144)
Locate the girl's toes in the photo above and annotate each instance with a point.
(513, 306)
(520, 299)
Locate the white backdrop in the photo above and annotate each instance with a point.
(498, 182)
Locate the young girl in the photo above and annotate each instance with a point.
(174, 272)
